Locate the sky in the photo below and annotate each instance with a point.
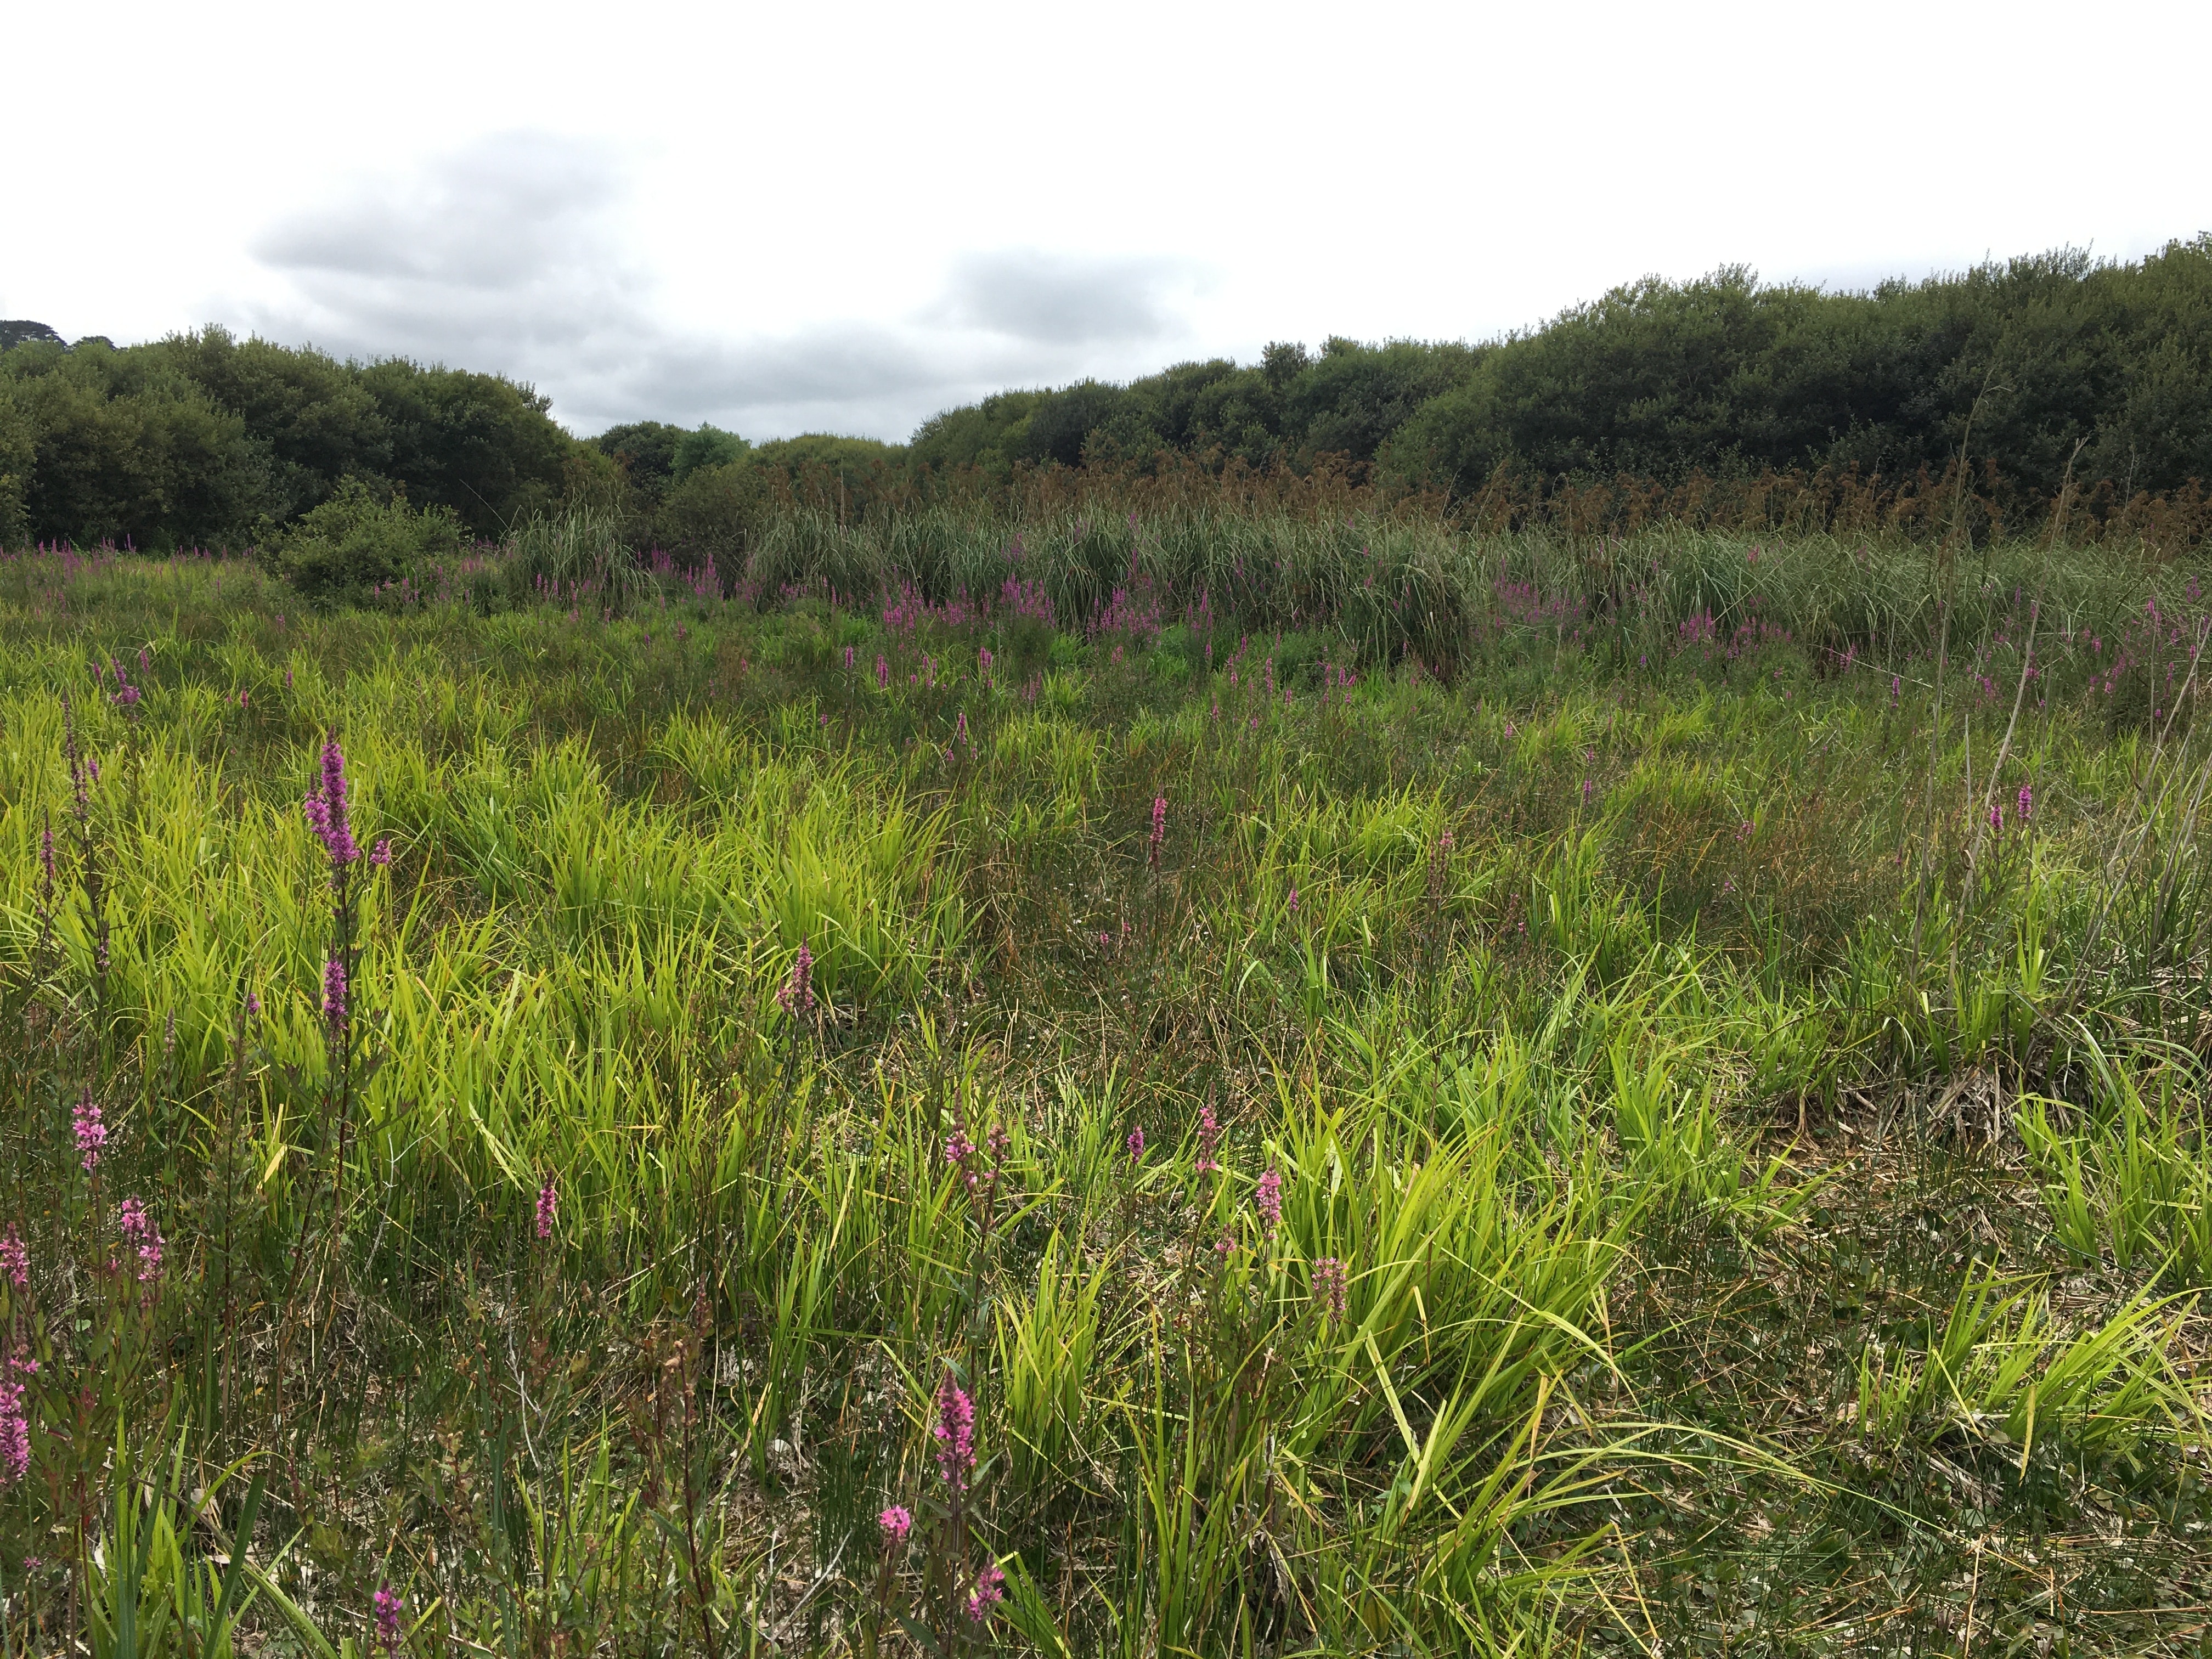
(846, 218)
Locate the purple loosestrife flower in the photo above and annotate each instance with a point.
(141, 1235)
(91, 1134)
(380, 854)
(955, 1433)
(796, 995)
(1268, 1197)
(958, 1149)
(386, 1604)
(1294, 900)
(1209, 1141)
(15, 1258)
(1159, 827)
(334, 992)
(990, 1590)
(16, 1421)
(897, 1523)
(1328, 1279)
(2026, 802)
(253, 1004)
(883, 675)
(325, 808)
(1136, 1143)
(549, 1207)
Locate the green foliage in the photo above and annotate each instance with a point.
(205, 439)
(125, 450)
(709, 446)
(479, 446)
(308, 415)
(647, 450)
(358, 541)
(1660, 378)
(716, 513)
(1392, 1164)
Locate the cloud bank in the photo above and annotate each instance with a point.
(517, 254)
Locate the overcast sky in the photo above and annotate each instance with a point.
(847, 217)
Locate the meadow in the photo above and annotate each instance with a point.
(1178, 1082)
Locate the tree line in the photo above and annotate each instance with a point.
(2050, 373)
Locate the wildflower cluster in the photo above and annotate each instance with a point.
(143, 1237)
(1209, 1142)
(90, 1131)
(795, 996)
(955, 1434)
(1268, 1197)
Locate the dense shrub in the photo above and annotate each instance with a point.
(714, 513)
(358, 541)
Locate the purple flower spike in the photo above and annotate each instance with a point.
(1329, 1284)
(955, 1433)
(334, 992)
(990, 1590)
(1209, 1141)
(386, 1604)
(15, 1423)
(1268, 1197)
(897, 1523)
(548, 1207)
(91, 1134)
(326, 810)
(796, 995)
(141, 1235)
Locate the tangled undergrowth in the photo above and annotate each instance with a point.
(756, 1128)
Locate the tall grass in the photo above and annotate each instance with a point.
(1131, 1090)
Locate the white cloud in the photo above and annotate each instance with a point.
(515, 253)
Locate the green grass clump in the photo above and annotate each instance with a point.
(1145, 1095)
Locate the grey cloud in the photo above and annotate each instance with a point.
(512, 255)
(487, 217)
(1065, 300)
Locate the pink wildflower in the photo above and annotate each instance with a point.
(1268, 1196)
(140, 1234)
(15, 1258)
(91, 1132)
(1328, 1283)
(380, 854)
(897, 1523)
(325, 807)
(989, 1591)
(549, 1207)
(955, 1433)
(16, 1421)
(334, 993)
(1209, 1141)
(1136, 1143)
(386, 1604)
(796, 995)
(2026, 802)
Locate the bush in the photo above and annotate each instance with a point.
(714, 513)
(355, 541)
(710, 446)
